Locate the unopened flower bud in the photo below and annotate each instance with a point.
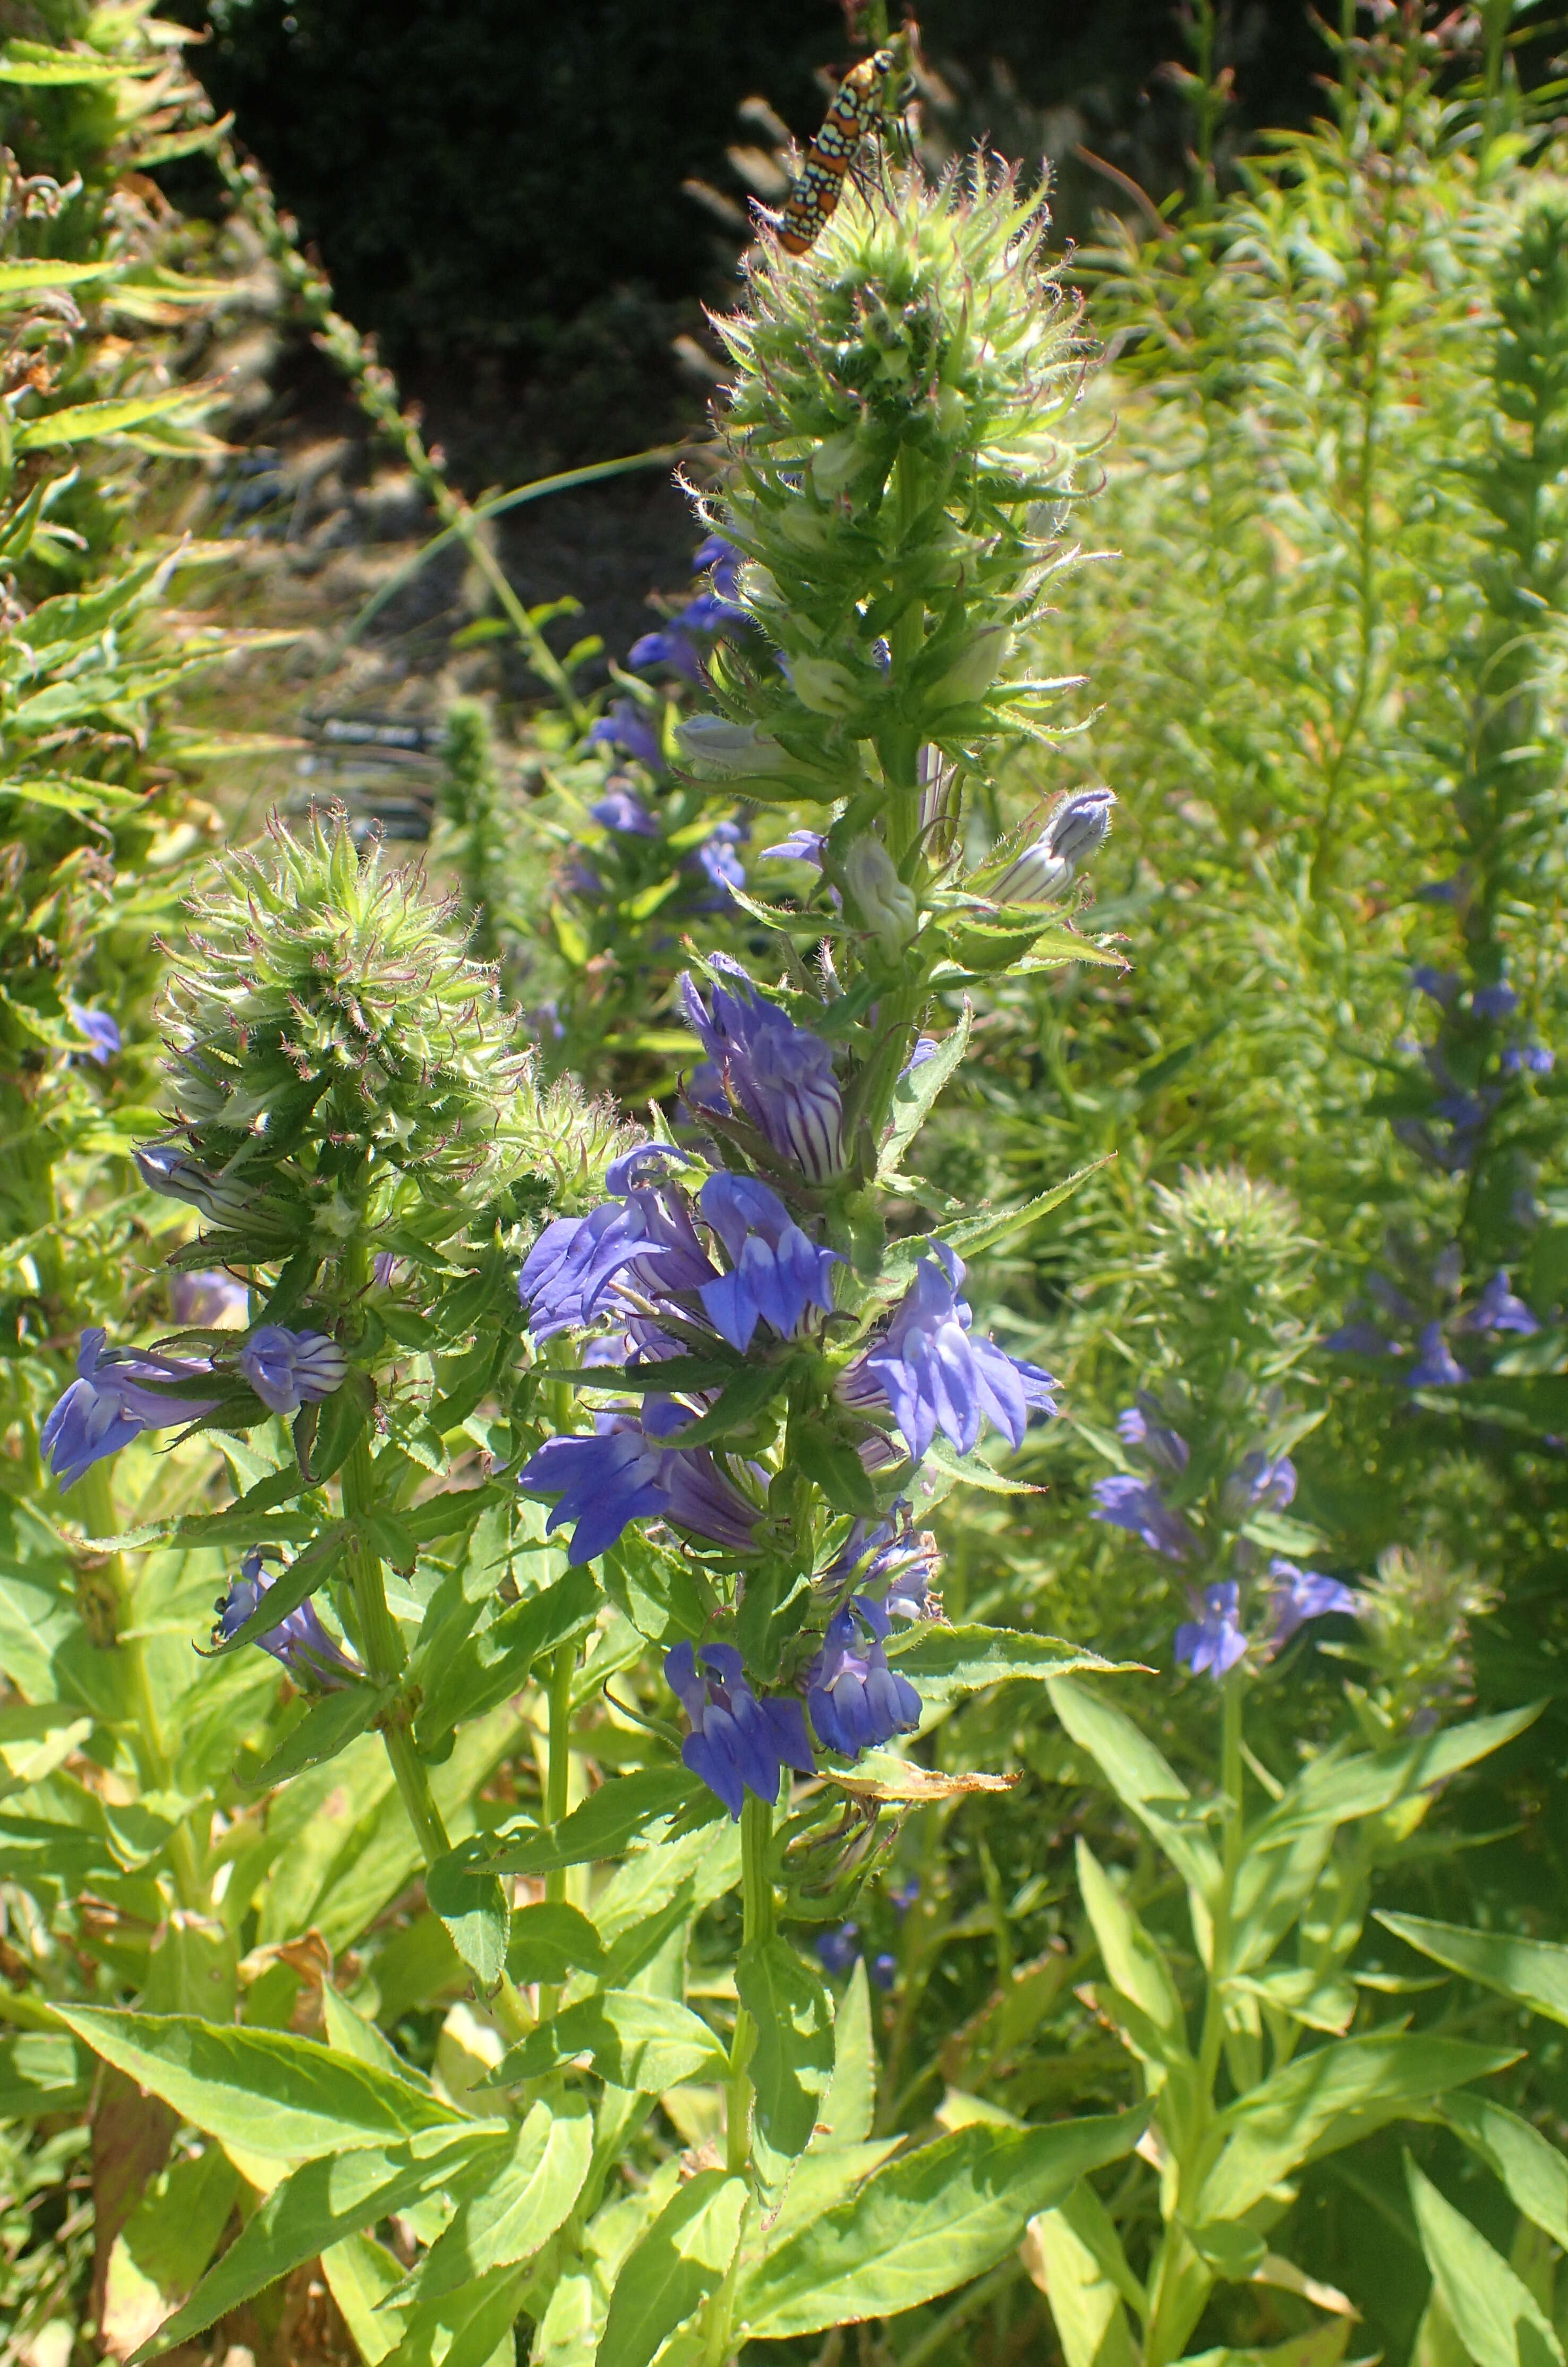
(835, 461)
(727, 747)
(824, 685)
(1077, 831)
(972, 675)
(170, 1173)
(886, 906)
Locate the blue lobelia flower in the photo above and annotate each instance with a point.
(207, 1299)
(725, 561)
(1139, 1426)
(175, 1176)
(738, 1744)
(288, 1369)
(1439, 986)
(935, 1374)
(299, 1640)
(101, 1031)
(776, 1272)
(1497, 1001)
(856, 1700)
(645, 1235)
(1532, 1060)
(621, 809)
(1297, 1595)
(1357, 1338)
(800, 846)
(1214, 1643)
(1260, 1483)
(838, 1947)
(111, 1401)
(1498, 1309)
(626, 1471)
(626, 728)
(1435, 1367)
(780, 1075)
(1127, 1502)
(894, 1551)
(671, 646)
(716, 861)
(884, 1970)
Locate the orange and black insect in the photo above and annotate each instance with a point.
(821, 182)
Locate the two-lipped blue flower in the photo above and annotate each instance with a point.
(1297, 1595)
(299, 1640)
(621, 809)
(642, 1235)
(1499, 1310)
(857, 1701)
(112, 1401)
(892, 1554)
(932, 1372)
(1260, 1483)
(1212, 1643)
(625, 1470)
(1125, 1501)
(1435, 1368)
(738, 1743)
(780, 1076)
(101, 1030)
(776, 1272)
(288, 1369)
(626, 728)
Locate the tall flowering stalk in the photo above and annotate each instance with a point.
(705, 1351)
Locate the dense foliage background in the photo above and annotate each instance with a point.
(1305, 1052)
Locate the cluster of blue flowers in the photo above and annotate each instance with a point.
(116, 1396)
(1214, 1641)
(1393, 1324)
(1465, 1099)
(735, 1266)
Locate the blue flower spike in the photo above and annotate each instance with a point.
(738, 1743)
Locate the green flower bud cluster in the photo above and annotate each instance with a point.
(901, 443)
(344, 1072)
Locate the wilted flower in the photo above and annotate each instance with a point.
(288, 1369)
(738, 1744)
(857, 1701)
(935, 1374)
(1298, 1595)
(1212, 1643)
(113, 1401)
(300, 1640)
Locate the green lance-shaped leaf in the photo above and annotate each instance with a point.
(1326, 2100)
(793, 2061)
(264, 2090)
(1133, 1961)
(682, 2259)
(603, 1826)
(914, 1095)
(927, 2221)
(1529, 2165)
(471, 1903)
(1496, 2317)
(486, 1668)
(518, 2207)
(325, 2201)
(1324, 2347)
(1065, 2260)
(643, 2042)
(1337, 1789)
(467, 2327)
(946, 1662)
(1142, 1779)
(1534, 1973)
(328, 1727)
(851, 2105)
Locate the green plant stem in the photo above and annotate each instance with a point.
(385, 1658)
(154, 1763)
(757, 1912)
(558, 1785)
